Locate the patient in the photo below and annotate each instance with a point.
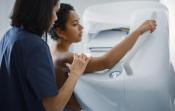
(67, 30)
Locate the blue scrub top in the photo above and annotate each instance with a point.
(26, 71)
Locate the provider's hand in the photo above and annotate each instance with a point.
(79, 64)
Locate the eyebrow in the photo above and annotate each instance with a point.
(76, 20)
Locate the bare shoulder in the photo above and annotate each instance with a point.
(62, 58)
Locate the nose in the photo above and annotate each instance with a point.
(81, 27)
(55, 18)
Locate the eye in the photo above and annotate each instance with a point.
(75, 24)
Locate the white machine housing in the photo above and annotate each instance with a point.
(144, 79)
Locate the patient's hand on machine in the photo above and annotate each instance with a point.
(148, 25)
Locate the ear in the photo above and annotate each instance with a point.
(61, 33)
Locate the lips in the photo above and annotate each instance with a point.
(80, 34)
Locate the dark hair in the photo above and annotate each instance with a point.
(62, 16)
(33, 15)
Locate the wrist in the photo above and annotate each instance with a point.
(74, 75)
(138, 32)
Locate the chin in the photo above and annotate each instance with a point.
(78, 41)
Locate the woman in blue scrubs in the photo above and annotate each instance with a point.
(27, 76)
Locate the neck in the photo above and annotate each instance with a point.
(63, 46)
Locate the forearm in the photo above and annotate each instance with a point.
(119, 51)
(61, 77)
(66, 91)
(58, 102)
(114, 55)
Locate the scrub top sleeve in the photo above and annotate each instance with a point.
(40, 72)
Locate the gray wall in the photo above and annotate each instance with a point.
(5, 10)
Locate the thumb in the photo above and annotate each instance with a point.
(68, 65)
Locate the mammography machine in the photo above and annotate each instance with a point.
(144, 79)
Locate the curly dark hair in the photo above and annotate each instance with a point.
(62, 16)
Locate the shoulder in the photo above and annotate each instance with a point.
(61, 58)
(29, 41)
(32, 40)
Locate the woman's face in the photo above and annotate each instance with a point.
(73, 31)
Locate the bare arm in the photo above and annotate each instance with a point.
(118, 52)
(58, 102)
(113, 56)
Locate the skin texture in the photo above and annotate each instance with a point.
(73, 34)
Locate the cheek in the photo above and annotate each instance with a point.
(73, 32)
(54, 17)
(74, 36)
